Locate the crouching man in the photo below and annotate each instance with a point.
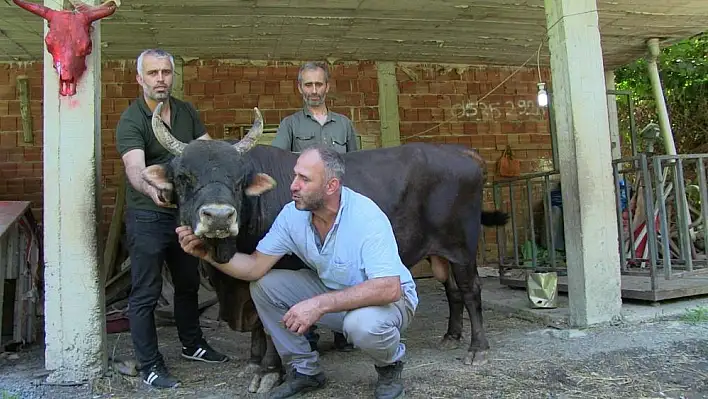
(356, 283)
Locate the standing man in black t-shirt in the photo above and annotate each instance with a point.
(151, 222)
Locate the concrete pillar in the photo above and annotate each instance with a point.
(388, 104)
(615, 140)
(580, 107)
(74, 309)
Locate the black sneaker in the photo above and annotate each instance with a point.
(389, 385)
(158, 377)
(203, 353)
(296, 383)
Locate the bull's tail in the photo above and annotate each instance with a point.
(494, 218)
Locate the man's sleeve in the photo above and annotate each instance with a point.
(380, 252)
(284, 137)
(199, 128)
(128, 136)
(352, 142)
(278, 241)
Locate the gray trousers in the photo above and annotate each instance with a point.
(376, 330)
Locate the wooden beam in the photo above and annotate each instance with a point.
(23, 90)
(178, 83)
(388, 104)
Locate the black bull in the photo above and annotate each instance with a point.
(432, 194)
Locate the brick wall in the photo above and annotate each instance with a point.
(431, 107)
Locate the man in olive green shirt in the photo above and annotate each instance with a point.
(315, 124)
(151, 222)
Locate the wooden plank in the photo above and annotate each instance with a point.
(12, 251)
(21, 287)
(3, 252)
(114, 233)
(637, 287)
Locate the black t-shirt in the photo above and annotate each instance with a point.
(134, 131)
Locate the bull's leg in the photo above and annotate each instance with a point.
(258, 350)
(453, 336)
(471, 291)
(264, 365)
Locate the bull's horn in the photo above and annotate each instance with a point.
(165, 138)
(251, 138)
(34, 8)
(93, 13)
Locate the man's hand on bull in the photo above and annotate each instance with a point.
(190, 243)
(303, 315)
(158, 198)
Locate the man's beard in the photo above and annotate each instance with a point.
(159, 96)
(310, 204)
(314, 103)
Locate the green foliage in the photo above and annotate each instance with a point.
(683, 69)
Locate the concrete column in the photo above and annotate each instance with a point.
(612, 115)
(585, 161)
(74, 309)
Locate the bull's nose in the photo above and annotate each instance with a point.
(217, 212)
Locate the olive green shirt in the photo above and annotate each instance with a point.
(301, 130)
(134, 131)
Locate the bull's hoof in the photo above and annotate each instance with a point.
(251, 368)
(475, 358)
(449, 342)
(263, 383)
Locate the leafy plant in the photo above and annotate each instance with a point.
(683, 69)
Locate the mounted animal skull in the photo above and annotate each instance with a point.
(69, 37)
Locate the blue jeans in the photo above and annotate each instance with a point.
(152, 241)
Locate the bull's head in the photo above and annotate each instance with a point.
(211, 181)
(69, 37)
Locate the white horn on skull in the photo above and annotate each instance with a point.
(251, 138)
(164, 137)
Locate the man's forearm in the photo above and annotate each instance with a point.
(136, 180)
(374, 292)
(240, 266)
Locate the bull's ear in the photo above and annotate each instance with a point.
(261, 183)
(156, 176)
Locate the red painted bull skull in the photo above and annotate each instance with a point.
(69, 40)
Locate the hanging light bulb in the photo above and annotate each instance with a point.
(542, 95)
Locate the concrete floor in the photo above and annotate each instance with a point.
(501, 298)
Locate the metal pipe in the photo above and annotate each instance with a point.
(652, 66)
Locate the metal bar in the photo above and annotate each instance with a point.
(632, 124)
(683, 217)
(529, 197)
(513, 226)
(703, 189)
(496, 193)
(554, 133)
(630, 218)
(618, 210)
(549, 222)
(681, 156)
(651, 224)
(666, 250)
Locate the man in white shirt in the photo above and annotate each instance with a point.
(356, 282)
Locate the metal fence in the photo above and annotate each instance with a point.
(662, 208)
(533, 238)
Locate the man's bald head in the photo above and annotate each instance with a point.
(331, 161)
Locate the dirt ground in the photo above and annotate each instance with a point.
(661, 359)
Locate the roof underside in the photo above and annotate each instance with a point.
(501, 32)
